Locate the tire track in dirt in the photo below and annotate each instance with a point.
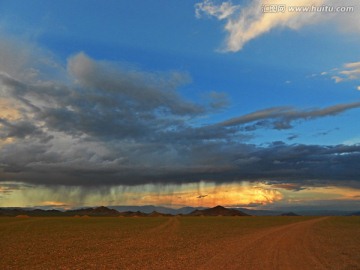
(149, 248)
(281, 248)
(169, 227)
(27, 224)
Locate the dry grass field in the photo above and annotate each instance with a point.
(180, 243)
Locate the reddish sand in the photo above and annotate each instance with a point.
(181, 243)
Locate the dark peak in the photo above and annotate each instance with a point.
(83, 209)
(97, 211)
(155, 214)
(102, 208)
(218, 207)
(355, 214)
(291, 214)
(218, 211)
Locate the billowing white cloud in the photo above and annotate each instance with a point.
(223, 11)
(244, 23)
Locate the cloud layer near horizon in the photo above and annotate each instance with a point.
(100, 123)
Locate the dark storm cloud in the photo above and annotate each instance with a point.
(294, 163)
(218, 100)
(22, 129)
(142, 91)
(292, 137)
(108, 125)
(282, 117)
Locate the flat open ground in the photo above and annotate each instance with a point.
(180, 243)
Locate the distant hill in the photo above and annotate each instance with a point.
(253, 212)
(187, 210)
(150, 210)
(98, 211)
(323, 212)
(147, 209)
(132, 214)
(103, 211)
(157, 214)
(12, 212)
(290, 214)
(218, 211)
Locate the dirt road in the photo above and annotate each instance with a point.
(287, 247)
(245, 243)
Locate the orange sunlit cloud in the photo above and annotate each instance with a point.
(339, 193)
(209, 195)
(307, 194)
(288, 186)
(56, 204)
(8, 110)
(242, 194)
(202, 194)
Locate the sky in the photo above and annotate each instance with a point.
(180, 103)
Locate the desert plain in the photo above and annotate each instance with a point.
(180, 243)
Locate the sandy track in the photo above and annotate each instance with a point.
(169, 227)
(244, 243)
(287, 247)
